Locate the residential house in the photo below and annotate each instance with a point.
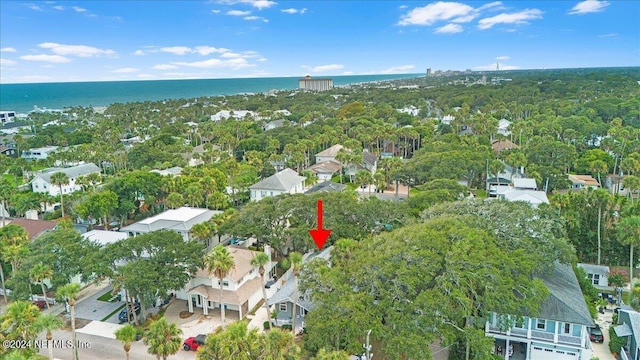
(104, 237)
(597, 274)
(326, 186)
(533, 197)
(173, 171)
(238, 115)
(325, 170)
(494, 183)
(503, 127)
(559, 331)
(283, 298)
(39, 153)
(7, 151)
(180, 220)
(499, 146)
(241, 288)
(328, 154)
(580, 182)
(41, 183)
(525, 184)
(629, 327)
(7, 116)
(34, 228)
(273, 125)
(286, 181)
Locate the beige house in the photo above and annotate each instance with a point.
(242, 288)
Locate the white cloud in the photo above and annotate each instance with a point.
(238, 13)
(611, 35)
(138, 53)
(253, 17)
(258, 4)
(58, 7)
(75, 50)
(323, 68)
(503, 58)
(164, 67)
(262, 59)
(206, 50)
(6, 62)
(402, 69)
(520, 17)
(294, 11)
(230, 55)
(79, 9)
(8, 49)
(402, 7)
(434, 12)
(125, 70)
(215, 11)
(588, 6)
(237, 63)
(449, 29)
(46, 58)
(493, 67)
(496, 5)
(178, 50)
(34, 7)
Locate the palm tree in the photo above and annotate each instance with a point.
(6, 190)
(628, 231)
(331, 355)
(14, 239)
(295, 259)
(19, 320)
(309, 178)
(280, 345)
(201, 232)
(70, 292)
(60, 179)
(260, 260)
(50, 322)
(127, 335)
(220, 262)
(163, 338)
(39, 273)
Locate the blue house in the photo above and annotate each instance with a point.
(559, 332)
(629, 327)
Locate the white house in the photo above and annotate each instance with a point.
(325, 170)
(39, 153)
(533, 197)
(597, 274)
(328, 154)
(237, 114)
(41, 183)
(104, 237)
(579, 182)
(241, 288)
(180, 220)
(7, 116)
(286, 181)
(525, 184)
(503, 127)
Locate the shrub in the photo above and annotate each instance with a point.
(265, 325)
(616, 343)
(286, 327)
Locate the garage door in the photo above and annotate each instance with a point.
(540, 353)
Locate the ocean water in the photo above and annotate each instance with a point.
(23, 98)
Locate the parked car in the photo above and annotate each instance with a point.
(123, 314)
(194, 342)
(595, 334)
(41, 304)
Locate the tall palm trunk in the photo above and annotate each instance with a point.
(72, 305)
(631, 275)
(264, 297)
(61, 202)
(50, 344)
(222, 314)
(4, 288)
(295, 301)
(44, 293)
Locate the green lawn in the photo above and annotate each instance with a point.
(106, 297)
(113, 313)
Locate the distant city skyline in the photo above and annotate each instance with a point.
(67, 41)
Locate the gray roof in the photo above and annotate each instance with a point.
(565, 302)
(285, 293)
(369, 158)
(284, 180)
(634, 318)
(623, 330)
(594, 269)
(326, 186)
(71, 172)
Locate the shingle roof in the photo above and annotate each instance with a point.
(242, 264)
(328, 166)
(587, 180)
(326, 186)
(369, 158)
(34, 227)
(332, 151)
(594, 269)
(71, 172)
(284, 180)
(285, 293)
(634, 318)
(500, 145)
(565, 302)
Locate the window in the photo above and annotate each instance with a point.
(283, 307)
(541, 324)
(263, 193)
(566, 329)
(596, 279)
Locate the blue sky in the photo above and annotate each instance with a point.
(61, 41)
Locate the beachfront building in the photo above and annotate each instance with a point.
(7, 116)
(307, 83)
(41, 183)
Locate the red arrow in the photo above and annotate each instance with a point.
(320, 236)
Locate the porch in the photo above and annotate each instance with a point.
(535, 335)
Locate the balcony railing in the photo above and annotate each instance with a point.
(624, 355)
(537, 335)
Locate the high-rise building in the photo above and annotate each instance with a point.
(307, 83)
(429, 72)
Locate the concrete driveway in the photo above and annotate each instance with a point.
(601, 351)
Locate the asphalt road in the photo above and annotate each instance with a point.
(101, 348)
